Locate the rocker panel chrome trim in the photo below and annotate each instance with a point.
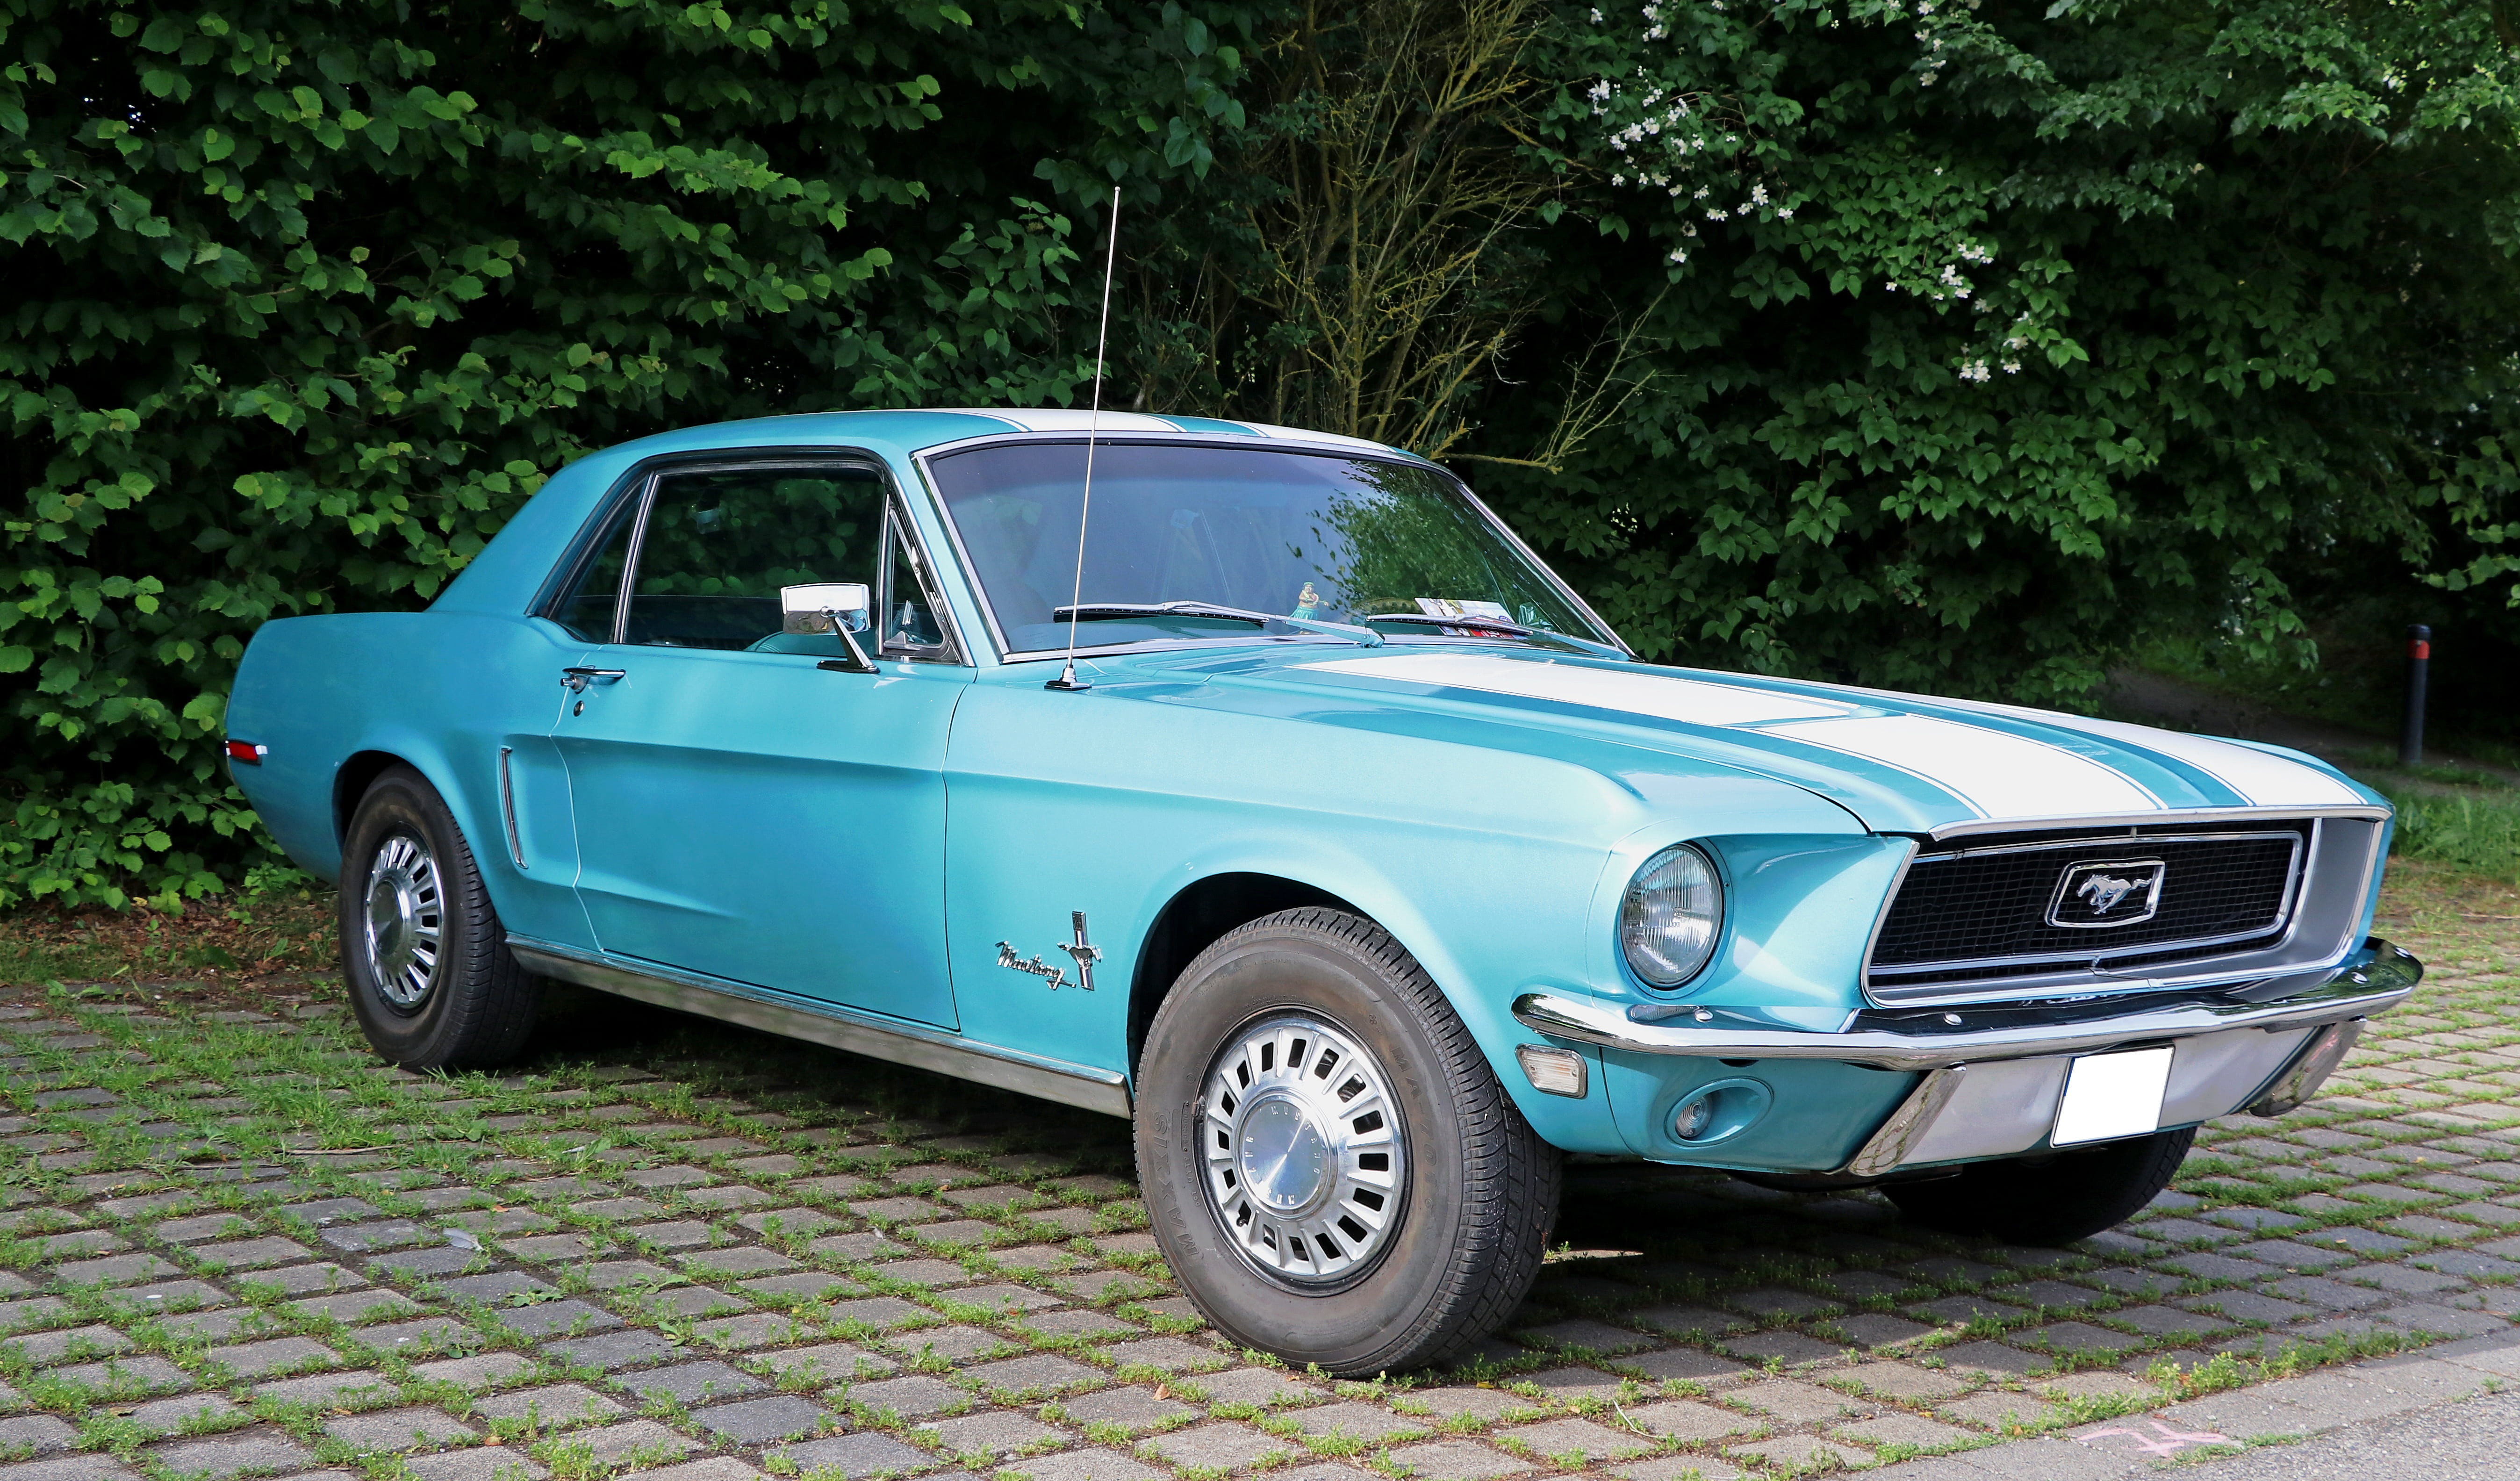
(1094, 1090)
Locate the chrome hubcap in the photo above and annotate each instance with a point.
(1304, 1151)
(405, 916)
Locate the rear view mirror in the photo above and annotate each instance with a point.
(812, 609)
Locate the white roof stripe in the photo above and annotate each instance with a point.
(2000, 774)
(1685, 699)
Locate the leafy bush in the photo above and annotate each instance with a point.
(310, 297)
(1976, 341)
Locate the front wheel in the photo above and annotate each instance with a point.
(2048, 1201)
(1332, 1168)
(430, 976)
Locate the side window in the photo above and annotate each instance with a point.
(592, 602)
(719, 545)
(910, 624)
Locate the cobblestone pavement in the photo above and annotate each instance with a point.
(232, 1244)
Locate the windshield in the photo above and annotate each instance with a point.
(1321, 536)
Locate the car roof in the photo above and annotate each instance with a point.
(917, 431)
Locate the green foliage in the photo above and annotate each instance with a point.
(310, 297)
(1998, 335)
(2478, 831)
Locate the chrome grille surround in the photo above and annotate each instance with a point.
(2310, 922)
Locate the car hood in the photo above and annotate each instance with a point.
(1900, 763)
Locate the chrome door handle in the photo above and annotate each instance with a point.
(577, 679)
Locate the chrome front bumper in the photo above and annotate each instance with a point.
(2374, 981)
(1992, 1092)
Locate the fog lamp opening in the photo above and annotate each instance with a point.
(1716, 1112)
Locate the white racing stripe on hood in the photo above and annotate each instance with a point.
(2000, 774)
(1685, 699)
(2267, 781)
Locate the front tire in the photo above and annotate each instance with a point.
(1331, 1166)
(2053, 1200)
(432, 979)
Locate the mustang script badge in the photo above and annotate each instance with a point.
(2103, 892)
(1084, 953)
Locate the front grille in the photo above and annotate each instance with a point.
(2003, 908)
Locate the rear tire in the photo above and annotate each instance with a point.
(2054, 1200)
(1299, 1221)
(430, 977)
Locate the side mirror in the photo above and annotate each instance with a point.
(812, 609)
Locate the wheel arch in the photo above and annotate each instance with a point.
(351, 780)
(1192, 921)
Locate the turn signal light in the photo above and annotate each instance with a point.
(1553, 1071)
(246, 753)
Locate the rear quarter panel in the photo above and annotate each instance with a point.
(443, 691)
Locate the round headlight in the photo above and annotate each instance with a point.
(1672, 915)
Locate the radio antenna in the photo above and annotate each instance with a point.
(1102, 338)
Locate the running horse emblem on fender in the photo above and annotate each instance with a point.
(1084, 953)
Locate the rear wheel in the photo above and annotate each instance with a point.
(1329, 1164)
(2048, 1200)
(430, 976)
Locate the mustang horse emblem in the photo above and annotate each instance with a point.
(2105, 890)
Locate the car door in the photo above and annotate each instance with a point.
(747, 805)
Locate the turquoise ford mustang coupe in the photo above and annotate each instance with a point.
(1262, 787)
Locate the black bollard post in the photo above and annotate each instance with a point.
(2419, 660)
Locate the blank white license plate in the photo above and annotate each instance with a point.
(2110, 1095)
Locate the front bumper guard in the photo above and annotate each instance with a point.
(2378, 978)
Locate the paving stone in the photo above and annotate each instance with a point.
(830, 1362)
(36, 1435)
(115, 1270)
(800, 1285)
(94, 1340)
(2245, 1305)
(482, 1462)
(1990, 1358)
(161, 1417)
(882, 1312)
(1872, 1330)
(644, 1439)
(859, 1454)
(756, 1422)
(1132, 1409)
(2327, 1294)
(2403, 1279)
(1579, 1438)
(251, 1359)
(1795, 1402)
(1096, 1464)
(1171, 1354)
(1798, 1452)
(356, 1307)
(253, 1254)
(1456, 1460)
(1683, 1468)
(915, 1397)
(1362, 1421)
(691, 1382)
(1901, 1380)
(1688, 1419)
(741, 1259)
(397, 1429)
(1786, 1347)
(261, 1448)
(329, 1390)
(552, 1406)
(1221, 1446)
(125, 1373)
(567, 1317)
(2080, 1338)
(613, 1350)
(1682, 1365)
(2295, 1254)
(1038, 1373)
(303, 1280)
(485, 1371)
(999, 1433)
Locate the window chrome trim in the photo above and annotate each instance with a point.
(1007, 654)
(508, 806)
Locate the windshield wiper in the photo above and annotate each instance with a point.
(1504, 628)
(1106, 611)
